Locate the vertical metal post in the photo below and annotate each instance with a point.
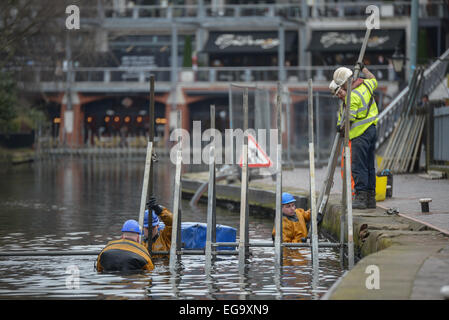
(314, 238)
(143, 199)
(176, 226)
(278, 218)
(413, 39)
(151, 139)
(230, 107)
(281, 52)
(317, 117)
(211, 217)
(151, 129)
(243, 239)
(348, 189)
(288, 119)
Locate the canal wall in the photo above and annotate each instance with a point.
(9, 157)
(396, 246)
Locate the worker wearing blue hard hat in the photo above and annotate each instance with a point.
(294, 220)
(125, 254)
(161, 226)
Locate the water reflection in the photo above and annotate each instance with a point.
(81, 204)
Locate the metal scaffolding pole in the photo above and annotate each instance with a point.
(146, 177)
(347, 180)
(278, 217)
(211, 200)
(175, 248)
(243, 239)
(151, 139)
(315, 260)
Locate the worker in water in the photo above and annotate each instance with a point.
(126, 254)
(160, 230)
(363, 116)
(294, 220)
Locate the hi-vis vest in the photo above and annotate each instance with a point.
(363, 111)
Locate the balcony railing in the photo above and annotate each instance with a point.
(291, 11)
(201, 74)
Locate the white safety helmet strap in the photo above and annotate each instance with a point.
(334, 87)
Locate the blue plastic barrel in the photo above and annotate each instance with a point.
(193, 235)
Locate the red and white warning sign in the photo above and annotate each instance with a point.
(257, 158)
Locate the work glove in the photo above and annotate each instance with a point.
(361, 65)
(152, 205)
(340, 128)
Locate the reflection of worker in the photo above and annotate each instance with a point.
(161, 230)
(363, 114)
(293, 257)
(126, 254)
(294, 220)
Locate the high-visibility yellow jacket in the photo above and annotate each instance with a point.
(363, 111)
(124, 255)
(163, 242)
(293, 229)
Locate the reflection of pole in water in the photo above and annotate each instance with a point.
(278, 280)
(210, 283)
(175, 280)
(243, 282)
(315, 283)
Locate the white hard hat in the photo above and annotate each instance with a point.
(341, 75)
(334, 87)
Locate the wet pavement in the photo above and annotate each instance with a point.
(407, 190)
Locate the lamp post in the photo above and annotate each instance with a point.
(398, 60)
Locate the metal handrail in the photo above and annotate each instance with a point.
(336, 10)
(389, 116)
(201, 74)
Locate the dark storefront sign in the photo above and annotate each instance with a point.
(248, 42)
(351, 40)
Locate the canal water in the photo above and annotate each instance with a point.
(81, 204)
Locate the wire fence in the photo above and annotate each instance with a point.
(294, 122)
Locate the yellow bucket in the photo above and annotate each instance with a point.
(381, 188)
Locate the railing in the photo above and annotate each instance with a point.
(432, 77)
(201, 74)
(291, 11)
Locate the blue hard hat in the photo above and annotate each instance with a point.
(287, 198)
(154, 221)
(131, 226)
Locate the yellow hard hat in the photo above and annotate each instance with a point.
(341, 75)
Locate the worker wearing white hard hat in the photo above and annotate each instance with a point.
(363, 115)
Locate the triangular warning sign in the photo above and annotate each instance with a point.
(257, 158)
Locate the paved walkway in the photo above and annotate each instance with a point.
(407, 190)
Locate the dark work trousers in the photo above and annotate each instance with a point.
(362, 165)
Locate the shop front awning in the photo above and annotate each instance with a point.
(351, 40)
(248, 42)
